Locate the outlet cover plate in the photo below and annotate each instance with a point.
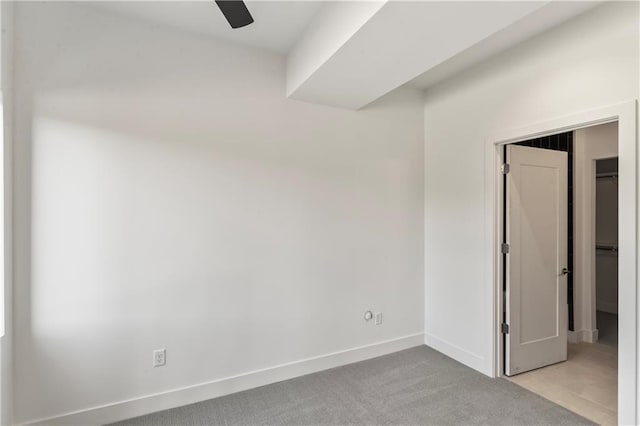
(159, 357)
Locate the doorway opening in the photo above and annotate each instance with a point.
(607, 251)
(560, 268)
(625, 115)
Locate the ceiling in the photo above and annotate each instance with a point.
(543, 19)
(420, 42)
(277, 26)
(332, 47)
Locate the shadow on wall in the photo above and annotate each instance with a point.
(171, 197)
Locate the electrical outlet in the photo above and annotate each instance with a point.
(378, 317)
(159, 357)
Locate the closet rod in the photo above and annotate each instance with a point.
(613, 175)
(607, 247)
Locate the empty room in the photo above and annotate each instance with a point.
(319, 212)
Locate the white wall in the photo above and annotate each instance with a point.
(589, 62)
(590, 144)
(6, 342)
(169, 196)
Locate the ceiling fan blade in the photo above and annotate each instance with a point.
(236, 12)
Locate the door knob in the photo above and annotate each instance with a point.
(565, 271)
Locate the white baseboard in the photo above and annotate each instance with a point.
(462, 355)
(123, 410)
(572, 336)
(590, 336)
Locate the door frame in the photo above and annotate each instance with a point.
(629, 181)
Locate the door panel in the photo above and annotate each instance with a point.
(536, 230)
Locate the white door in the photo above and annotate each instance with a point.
(536, 274)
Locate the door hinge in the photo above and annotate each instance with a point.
(505, 168)
(504, 248)
(504, 328)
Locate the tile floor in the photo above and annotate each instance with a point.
(586, 383)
